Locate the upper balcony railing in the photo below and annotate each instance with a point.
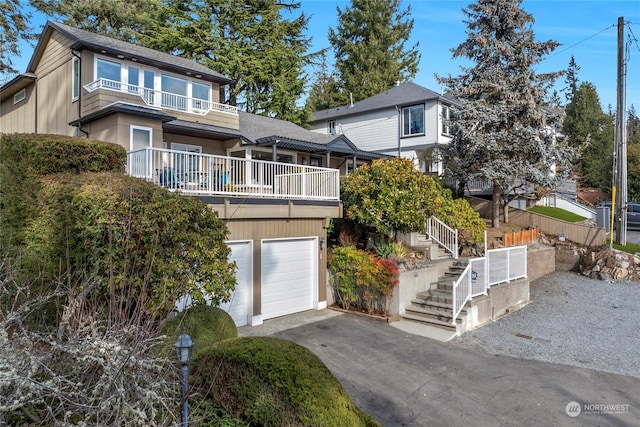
(207, 174)
(166, 100)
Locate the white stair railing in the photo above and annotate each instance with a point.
(444, 235)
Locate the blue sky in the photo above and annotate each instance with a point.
(439, 27)
(586, 29)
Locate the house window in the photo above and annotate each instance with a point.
(133, 80)
(174, 92)
(332, 127)
(149, 86)
(413, 120)
(315, 161)
(201, 95)
(20, 96)
(139, 163)
(75, 78)
(110, 73)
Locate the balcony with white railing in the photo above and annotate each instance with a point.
(212, 175)
(160, 99)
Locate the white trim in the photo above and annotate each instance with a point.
(256, 320)
(136, 127)
(20, 96)
(75, 79)
(319, 305)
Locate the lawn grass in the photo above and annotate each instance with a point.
(557, 213)
(631, 248)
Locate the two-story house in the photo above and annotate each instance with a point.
(274, 183)
(407, 120)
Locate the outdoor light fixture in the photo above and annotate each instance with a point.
(323, 242)
(183, 345)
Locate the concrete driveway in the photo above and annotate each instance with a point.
(407, 380)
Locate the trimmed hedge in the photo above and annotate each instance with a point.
(25, 157)
(205, 324)
(268, 381)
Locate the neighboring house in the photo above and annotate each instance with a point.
(275, 184)
(406, 120)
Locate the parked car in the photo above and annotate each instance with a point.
(633, 214)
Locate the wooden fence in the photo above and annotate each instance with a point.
(578, 233)
(522, 237)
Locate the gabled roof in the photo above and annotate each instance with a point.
(397, 96)
(83, 39)
(267, 131)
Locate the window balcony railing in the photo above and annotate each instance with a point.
(166, 100)
(207, 174)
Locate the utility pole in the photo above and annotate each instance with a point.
(621, 145)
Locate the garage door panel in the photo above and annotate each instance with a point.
(239, 306)
(289, 276)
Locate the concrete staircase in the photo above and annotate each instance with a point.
(419, 242)
(434, 306)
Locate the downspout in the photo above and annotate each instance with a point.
(35, 116)
(79, 93)
(399, 130)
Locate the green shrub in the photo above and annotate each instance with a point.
(205, 324)
(117, 232)
(272, 382)
(26, 157)
(362, 280)
(388, 249)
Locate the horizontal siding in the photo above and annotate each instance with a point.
(371, 132)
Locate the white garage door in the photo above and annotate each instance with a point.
(289, 276)
(239, 307)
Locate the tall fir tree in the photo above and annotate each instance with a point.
(502, 131)
(325, 91)
(591, 132)
(14, 28)
(370, 47)
(571, 80)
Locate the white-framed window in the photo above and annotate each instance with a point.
(446, 116)
(331, 127)
(20, 96)
(75, 79)
(110, 71)
(140, 137)
(133, 79)
(413, 120)
(170, 87)
(201, 95)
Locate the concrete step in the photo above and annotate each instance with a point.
(438, 306)
(431, 322)
(431, 314)
(436, 295)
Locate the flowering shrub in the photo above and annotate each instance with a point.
(362, 280)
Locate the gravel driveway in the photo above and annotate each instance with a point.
(571, 320)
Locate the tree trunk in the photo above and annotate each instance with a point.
(495, 206)
(505, 214)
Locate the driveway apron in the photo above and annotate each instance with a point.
(407, 380)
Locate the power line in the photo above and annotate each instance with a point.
(581, 41)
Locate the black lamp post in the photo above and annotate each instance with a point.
(183, 345)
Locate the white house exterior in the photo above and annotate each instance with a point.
(407, 120)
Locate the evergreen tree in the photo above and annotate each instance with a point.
(591, 132)
(502, 132)
(325, 91)
(369, 44)
(633, 127)
(14, 27)
(127, 20)
(571, 79)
